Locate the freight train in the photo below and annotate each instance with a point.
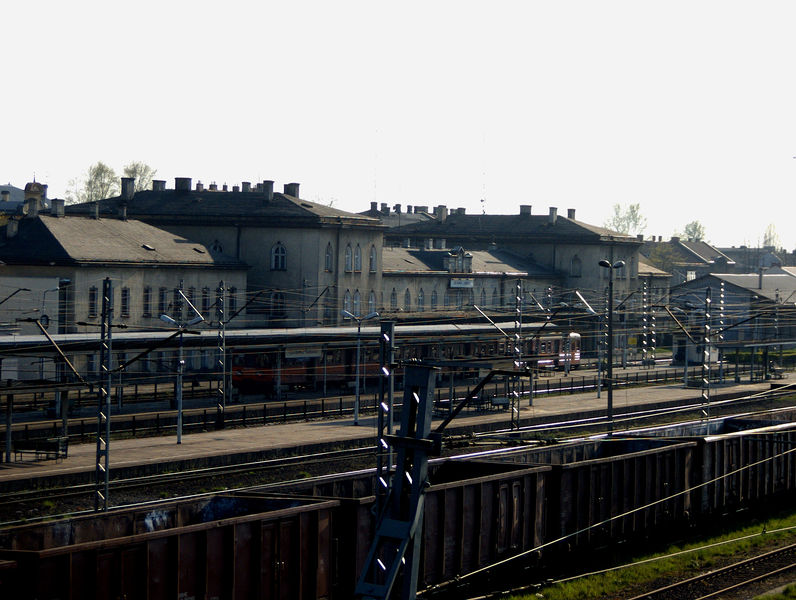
(312, 365)
(309, 538)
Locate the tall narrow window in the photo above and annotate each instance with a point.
(277, 304)
(372, 302)
(176, 305)
(421, 300)
(407, 300)
(433, 299)
(446, 299)
(495, 298)
(576, 268)
(92, 301)
(348, 259)
(278, 257)
(357, 304)
(357, 259)
(146, 301)
(329, 262)
(483, 297)
(347, 302)
(205, 302)
(394, 300)
(232, 302)
(125, 302)
(163, 301)
(372, 266)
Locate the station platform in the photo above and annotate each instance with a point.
(233, 446)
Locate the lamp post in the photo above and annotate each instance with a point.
(181, 327)
(359, 320)
(611, 266)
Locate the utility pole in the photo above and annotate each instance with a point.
(104, 401)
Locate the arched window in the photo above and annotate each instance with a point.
(495, 298)
(394, 300)
(471, 298)
(329, 262)
(433, 299)
(446, 299)
(576, 268)
(348, 259)
(407, 300)
(357, 305)
(372, 302)
(278, 257)
(421, 300)
(347, 301)
(357, 259)
(483, 297)
(372, 266)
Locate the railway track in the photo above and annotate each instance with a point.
(80, 497)
(729, 581)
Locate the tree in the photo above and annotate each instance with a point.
(100, 182)
(771, 238)
(627, 219)
(142, 173)
(694, 232)
(664, 257)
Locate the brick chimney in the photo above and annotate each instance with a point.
(292, 189)
(158, 185)
(182, 184)
(571, 213)
(268, 190)
(525, 210)
(553, 217)
(57, 207)
(128, 188)
(246, 186)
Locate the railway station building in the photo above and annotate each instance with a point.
(568, 249)
(75, 254)
(307, 261)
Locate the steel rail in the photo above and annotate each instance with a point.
(725, 579)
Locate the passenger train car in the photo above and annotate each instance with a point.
(333, 363)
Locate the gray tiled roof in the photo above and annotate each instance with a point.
(80, 240)
(220, 206)
(502, 227)
(397, 260)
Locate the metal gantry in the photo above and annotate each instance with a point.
(396, 545)
(516, 352)
(706, 357)
(104, 400)
(221, 362)
(644, 325)
(384, 454)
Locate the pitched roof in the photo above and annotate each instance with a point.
(79, 240)
(690, 253)
(223, 206)
(484, 262)
(774, 286)
(505, 227)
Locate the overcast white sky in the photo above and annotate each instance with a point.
(685, 107)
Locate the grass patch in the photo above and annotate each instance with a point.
(676, 562)
(789, 593)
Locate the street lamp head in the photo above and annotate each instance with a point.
(347, 315)
(373, 315)
(169, 320)
(617, 265)
(195, 320)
